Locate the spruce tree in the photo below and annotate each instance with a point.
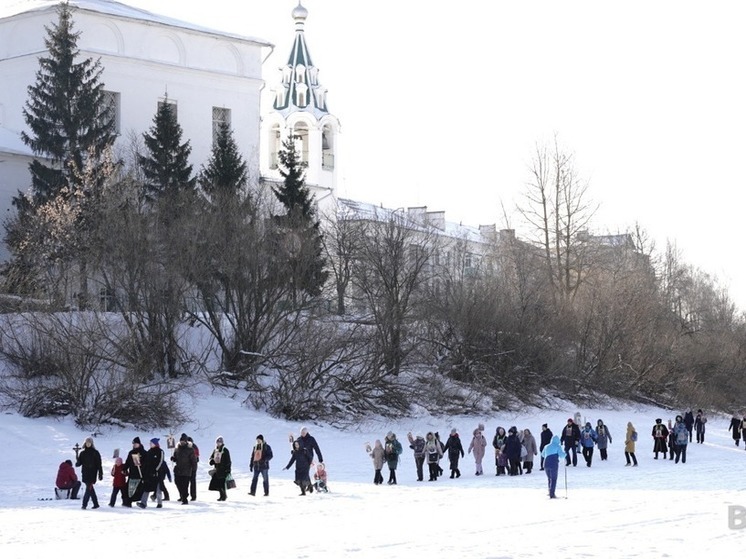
(65, 112)
(225, 173)
(166, 166)
(300, 231)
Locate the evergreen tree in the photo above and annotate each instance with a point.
(65, 112)
(299, 230)
(166, 166)
(226, 172)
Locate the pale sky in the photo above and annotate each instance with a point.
(441, 104)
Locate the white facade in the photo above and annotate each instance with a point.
(146, 58)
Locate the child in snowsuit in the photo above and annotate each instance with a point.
(119, 481)
(319, 478)
(376, 453)
(302, 458)
(455, 449)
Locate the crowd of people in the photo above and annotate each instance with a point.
(142, 474)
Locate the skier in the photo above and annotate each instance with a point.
(552, 454)
(259, 464)
(455, 449)
(89, 461)
(570, 437)
(546, 438)
(588, 438)
(659, 434)
(699, 426)
(417, 444)
(604, 438)
(478, 445)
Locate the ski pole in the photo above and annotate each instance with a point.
(565, 481)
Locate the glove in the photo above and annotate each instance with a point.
(251, 468)
(100, 477)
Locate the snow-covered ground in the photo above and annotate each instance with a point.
(659, 509)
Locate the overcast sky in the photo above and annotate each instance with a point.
(442, 103)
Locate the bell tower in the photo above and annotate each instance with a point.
(299, 111)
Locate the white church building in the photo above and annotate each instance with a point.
(210, 76)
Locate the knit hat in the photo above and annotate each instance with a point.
(118, 461)
(260, 437)
(569, 419)
(544, 426)
(154, 441)
(183, 437)
(658, 420)
(136, 440)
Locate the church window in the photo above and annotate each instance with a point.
(172, 105)
(300, 73)
(301, 93)
(220, 116)
(274, 146)
(112, 102)
(327, 147)
(300, 136)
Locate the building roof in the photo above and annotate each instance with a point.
(116, 9)
(300, 89)
(10, 142)
(355, 210)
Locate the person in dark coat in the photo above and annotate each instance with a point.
(604, 439)
(454, 449)
(193, 479)
(392, 449)
(498, 442)
(220, 459)
(309, 443)
(512, 451)
(261, 454)
(89, 461)
(150, 467)
(735, 428)
(570, 438)
(743, 431)
(689, 423)
(546, 438)
(67, 479)
(163, 473)
(185, 462)
(660, 435)
(302, 457)
(417, 444)
(699, 426)
(133, 470)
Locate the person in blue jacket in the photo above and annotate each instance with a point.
(588, 438)
(552, 454)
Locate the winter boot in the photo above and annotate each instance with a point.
(453, 474)
(458, 473)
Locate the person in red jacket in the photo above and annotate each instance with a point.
(119, 483)
(67, 479)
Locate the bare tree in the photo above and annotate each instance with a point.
(558, 213)
(390, 271)
(341, 241)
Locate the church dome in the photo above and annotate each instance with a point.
(300, 13)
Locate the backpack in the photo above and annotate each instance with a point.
(634, 437)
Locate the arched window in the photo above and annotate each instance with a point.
(301, 94)
(300, 137)
(274, 145)
(327, 147)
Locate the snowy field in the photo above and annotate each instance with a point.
(659, 509)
